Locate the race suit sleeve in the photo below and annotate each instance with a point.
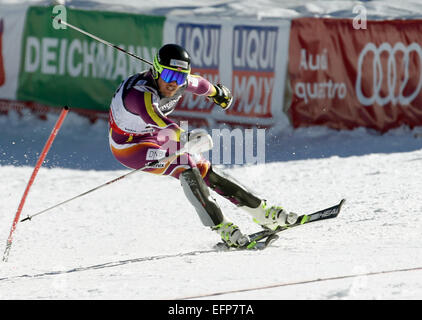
(200, 86)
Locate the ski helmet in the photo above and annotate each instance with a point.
(172, 63)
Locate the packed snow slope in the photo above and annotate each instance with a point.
(139, 238)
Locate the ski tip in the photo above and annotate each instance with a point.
(271, 239)
(342, 202)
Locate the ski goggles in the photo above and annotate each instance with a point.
(169, 75)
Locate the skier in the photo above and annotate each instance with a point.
(141, 132)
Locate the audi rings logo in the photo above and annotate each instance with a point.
(393, 88)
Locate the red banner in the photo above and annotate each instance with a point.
(344, 78)
(2, 73)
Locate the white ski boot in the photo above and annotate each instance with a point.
(231, 234)
(271, 217)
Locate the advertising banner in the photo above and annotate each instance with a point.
(249, 58)
(12, 19)
(253, 61)
(202, 41)
(343, 77)
(64, 67)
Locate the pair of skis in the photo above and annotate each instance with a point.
(262, 239)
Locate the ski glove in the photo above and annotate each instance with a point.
(223, 97)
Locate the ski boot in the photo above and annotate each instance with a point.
(230, 234)
(271, 217)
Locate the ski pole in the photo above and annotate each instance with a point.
(200, 144)
(168, 158)
(60, 21)
(31, 180)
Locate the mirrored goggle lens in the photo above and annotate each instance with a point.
(171, 75)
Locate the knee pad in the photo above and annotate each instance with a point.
(199, 196)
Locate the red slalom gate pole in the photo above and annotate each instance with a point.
(31, 180)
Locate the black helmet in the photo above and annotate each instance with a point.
(171, 57)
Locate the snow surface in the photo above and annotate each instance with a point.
(139, 238)
(132, 239)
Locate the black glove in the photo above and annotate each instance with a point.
(223, 97)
